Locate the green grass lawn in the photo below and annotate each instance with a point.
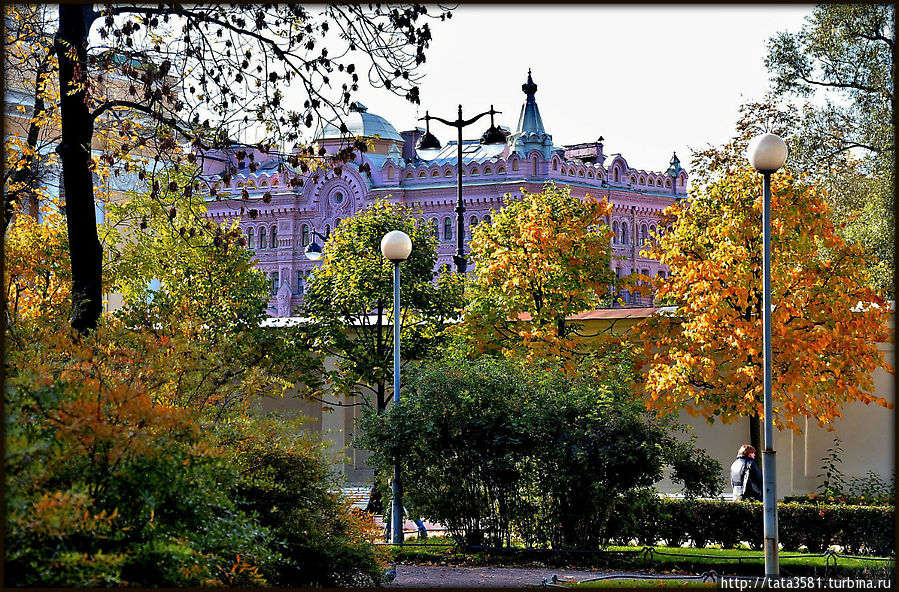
(661, 559)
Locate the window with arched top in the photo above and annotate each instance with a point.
(534, 164)
(616, 175)
(250, 243)
(488, 171)
(487, 219)
(644, 234)
(580, 173)
(336, 222)
(501, 171)
(304, 233)
(390, 173)
(472, 222)
(642, 181)
(475, 172)
(515, 165)
(616, 230)
(633, 179)
(327, 231)
(435, 174)
(555, 165)
(434, 227)
(263, 183)
(408, 175)
(273, 244)
(448, 173)
(571, 172)
(262, 243)
(422, 175)
(668, 183)
(625, 238)
(275, 181)
(651, 183)
(589, 174)
(447, 229)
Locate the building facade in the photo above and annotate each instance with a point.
(280, 209)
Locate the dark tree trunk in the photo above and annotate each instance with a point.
(755, 435)
(77, 130)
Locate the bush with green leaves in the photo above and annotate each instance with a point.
(498, 453)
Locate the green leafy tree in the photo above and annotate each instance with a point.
(349, 301)
(542, 258)
(498, 451)
(844, 54)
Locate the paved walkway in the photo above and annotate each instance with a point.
(422, 576)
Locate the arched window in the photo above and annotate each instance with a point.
(651, 183)
(434, 228)
(250, 238)
(448, 173)
(262, 243)
(514, 165)
(501, 171)
(275, 181)
(263, 183)
(447, 229)
(571, 172)
(625, 239)
(408, 175)
(422, 175)
(327, 231)
(644, 235)
(668, 183)
(534, 161)
(642, 181)
(274, 241)
(390, 173)
(589, 174)
(652, 231)
(471, 224)
(616, 175)
(475, 172)
(633, 179)
(615, 230)
(435, 174)
(305, 235)
(487, 219)
(555, 165)
(488, 171)
(336, 223)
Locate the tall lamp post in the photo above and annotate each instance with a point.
(493, 141)
(396, 246)
(767, 153)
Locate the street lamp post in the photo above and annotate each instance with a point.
(396, 246)
(313, 250)
(767, 153)
(493, 141)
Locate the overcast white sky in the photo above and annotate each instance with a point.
(650, 79)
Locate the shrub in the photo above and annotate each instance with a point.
(495, 452)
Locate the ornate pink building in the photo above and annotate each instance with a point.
(278, 217)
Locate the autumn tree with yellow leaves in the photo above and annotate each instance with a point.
(706, 356)
(543, 258)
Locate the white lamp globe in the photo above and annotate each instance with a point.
(767, 153)
(396, 245)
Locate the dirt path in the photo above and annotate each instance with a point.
(421, 576)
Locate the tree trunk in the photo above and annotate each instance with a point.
(77, 130)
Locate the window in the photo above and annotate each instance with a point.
(633, 179)
(642, 181)
(422, 175)
(644, 235)
(434, 228)
(534, 161)
(338, 197)
(447, 229)
(448, 173)
(435, 174)
(661, 274)
(501, 171)
(408, 175)
(555, 165)
(475, 172)
(471, 224)
(625, 239)
(327, 231)
(615, 229)
(250, 244)
(301, 283)
(488, 171)
(274, 280)
(274, 241)
(305, 235)
(487, 219)
(651, 183)
(390, 173)
(514, 165)
(589, 174)
(262, 244)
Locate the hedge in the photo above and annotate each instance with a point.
(857, 529)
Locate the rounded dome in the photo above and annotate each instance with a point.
(361, 123)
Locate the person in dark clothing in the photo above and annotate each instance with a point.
(745, 475)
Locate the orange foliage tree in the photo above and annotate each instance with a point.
(706, 357)
(543, 258)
